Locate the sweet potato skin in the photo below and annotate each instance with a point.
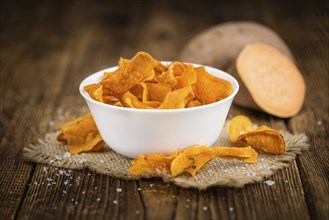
(218, 46)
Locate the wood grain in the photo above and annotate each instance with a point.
(48, 47)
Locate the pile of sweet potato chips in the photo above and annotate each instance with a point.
(145, 83)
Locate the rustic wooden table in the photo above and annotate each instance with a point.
(47, 48)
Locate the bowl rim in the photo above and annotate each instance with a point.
(232, 80)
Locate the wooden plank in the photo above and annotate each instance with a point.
(85, 204)
(14, 177)
(312, 59)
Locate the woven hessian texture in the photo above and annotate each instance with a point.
(217, 172)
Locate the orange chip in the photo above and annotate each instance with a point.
(241, 131)
(140, 91)
(131, 101)
(110, 99)
(152, 104)
(187, 78)
(130, 73)
(247, 154)
(160, 68)
(239, 125)
(177, 98)
(158, 91)
(151, 163)
(193, 103)
(264, 139)
(122, 61)
(194, 158)
(186, 159)
(95, 91)
(81, 134)
(118, 103)
(208, 88)
(177, 68)
(200, 160)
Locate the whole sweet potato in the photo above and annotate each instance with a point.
(268, 78)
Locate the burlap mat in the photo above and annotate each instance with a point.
(217, 172)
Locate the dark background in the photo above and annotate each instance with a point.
(48, 47)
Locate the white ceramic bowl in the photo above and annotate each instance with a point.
(132, 132)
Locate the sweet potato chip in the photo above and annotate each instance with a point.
(140, 91)
(264, 139)
(95, 91)
(81, 135)
(177, 68)
(241, 131)
(131, 101)
(187, 78)
(151, 163)
(130, 73)
(194, 158)
(177, 98)
(186, 159)
(193, 103)
(160, 68)
(239, 125)
(158, 91)
(208, 88)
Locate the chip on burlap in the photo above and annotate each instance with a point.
(217, 172)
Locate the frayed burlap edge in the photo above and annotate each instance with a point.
(217, 172)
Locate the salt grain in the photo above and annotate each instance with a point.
(115, 201)
(119, 190)
(83, 160)
(51, 161)
(66, 182)
(58, 157)
(101, 161)
(35, 183)
(205, 208)
(137, 212)
(61, 172)
(76, 203)
(188, 200)
(45, 169)
(269, 182)
(49, 179)
(319, 123)
(83, 192)
(67, 154)
(187, 206)
(98, 199)
(139, 189)
(231, 209)
(64, 191)
(152, 184)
